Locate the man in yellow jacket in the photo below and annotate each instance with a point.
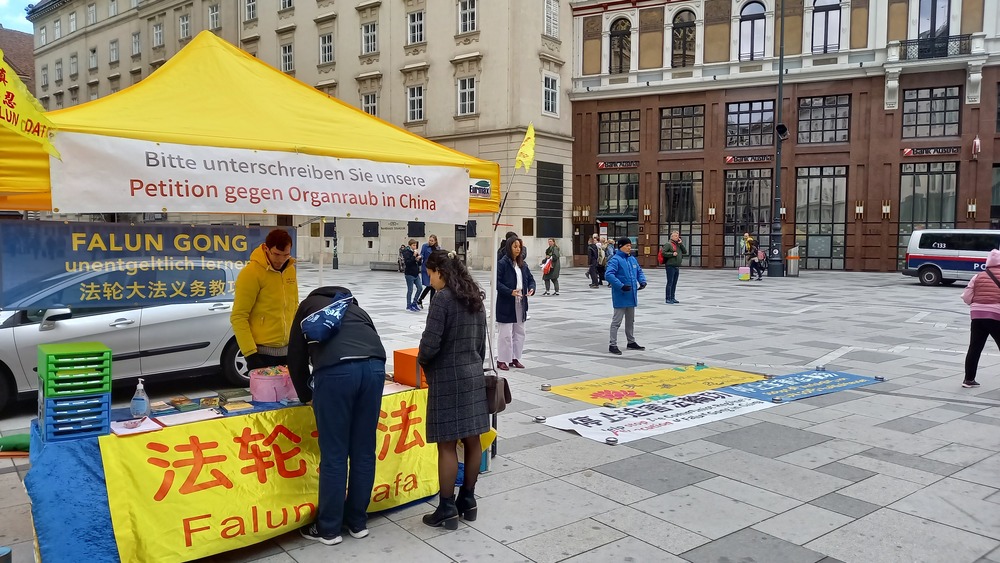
(267, 296)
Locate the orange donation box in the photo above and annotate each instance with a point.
(405, 368)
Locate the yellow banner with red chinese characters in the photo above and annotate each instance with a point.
(194, 490)
(20, 111)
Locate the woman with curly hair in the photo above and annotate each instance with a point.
(452, 351)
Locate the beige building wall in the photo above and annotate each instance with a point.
(508, 54)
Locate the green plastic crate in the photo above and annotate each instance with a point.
(77, 368)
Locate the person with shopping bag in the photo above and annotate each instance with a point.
(550, 267)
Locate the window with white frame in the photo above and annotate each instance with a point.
(91, 14)
(620, 46)
(113, 51)
(467, 96)
(683, 40)
(752, 20)
(58, 70)
(112, 8)
(826, 26)
(74, 66)
(184, 25)
(41, 37)
(157, 35)
(45, 76)
(94, 92)
(415, 27)
(250, 10)
(133, 3)
(415, 103)
(369, 38)
(467, 16)
(286, 4)
(550, 94)
(287, 58)
(326, 48)
(72, 22)
(552, 18)
(213, 17)
(92, 60)
(136, 44)
(369, 104)
(56, 29)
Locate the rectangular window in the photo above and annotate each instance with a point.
(136, 44)
(113, 51)
(93, 92)
(112, 8)
(931, 112)
(927, 199)
(682, 128)
(618, 196)
(91, 14)
(747, 210)
(58, 71)
(466, 16)
(287, 58)
(250, 10)
(72, 22)
(133, 3)
(369, 38)
(157, 35)
(184, 25)
(45, 76)
(550, 94)
(821, 216)
(680, 207)
(415, 103)
(56, 29)
(326, 48)
(824, 119)
(213, 17)
(618, 131)
(552, 18)
(750, 124)
(369, 104)
(41, 37)
(74, 66)
(286, 4)
(415, 27)
(549, 194)
(93, 58)
(467, 96)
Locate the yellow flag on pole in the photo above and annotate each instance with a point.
(20, 111)
(526, 154)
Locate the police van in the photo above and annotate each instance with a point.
(944, 256)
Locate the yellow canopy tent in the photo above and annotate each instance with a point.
(212, 94)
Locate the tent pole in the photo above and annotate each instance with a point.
(322, 247)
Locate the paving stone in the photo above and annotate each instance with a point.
(982, 419)
(965, 432)
(845, 505)
(909, 424)
(654, 473)
(893, 470)
(567, 541)
(940, 414)
(12, 491)
(751, 545)
(832, 398)
(703, 512)
(646, 445)
(523, 442)
(985, 472)
(844, 471)
(609, 487)
(880, 489)
(749, 494)
(625, 549)
(690, 450)
(802, 524)
(491, 483)
(917, 444)
(959, 454)
(967, 409)
(767, 439)
(775, 476)
(814, 456)
(916, 462)
(654, 531)
(571, 456)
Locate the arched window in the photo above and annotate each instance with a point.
(752, 32)
(826, 26)
(621, 46)
(684, 39)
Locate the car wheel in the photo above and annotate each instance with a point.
(6, 388)
(929, 276)
(948, 282)
(234, 365)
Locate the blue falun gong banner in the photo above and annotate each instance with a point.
(799, 385)
(45, 264)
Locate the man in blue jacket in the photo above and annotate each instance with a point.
(625, 277)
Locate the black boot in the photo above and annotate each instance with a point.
(466, 504)
(446, 515)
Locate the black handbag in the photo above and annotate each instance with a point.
(497, 389)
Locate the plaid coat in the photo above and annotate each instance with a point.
(452, 351)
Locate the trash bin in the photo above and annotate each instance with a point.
(792, 262)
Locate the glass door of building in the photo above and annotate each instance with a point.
(748, 210)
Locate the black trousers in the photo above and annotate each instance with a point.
(981, 330)
(592, 272)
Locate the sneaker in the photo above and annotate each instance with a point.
(312, 533)
(673, 301)
(362, 533)
(556, 293)
(546, 294)
(635, 346)
(614, 350)
(420, 304)
(968, 384)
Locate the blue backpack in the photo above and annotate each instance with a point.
(325, 323)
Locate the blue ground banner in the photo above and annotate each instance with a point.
(799, 385)
(47, 264)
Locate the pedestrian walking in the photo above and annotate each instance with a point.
(452, 351)
(626, 278)
(345, 389)
(982, 295)
(412, 261)
(266, 296)
(603, 256)
(514, 285)
(430, 246)
(594, 252)
(673, 254)
(552, 253)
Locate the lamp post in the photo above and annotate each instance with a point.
(775, 263)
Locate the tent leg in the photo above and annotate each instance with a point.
(322, 248)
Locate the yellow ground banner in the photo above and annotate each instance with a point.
(194, 490)
(647, 386)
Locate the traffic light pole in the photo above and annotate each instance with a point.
(775, 259)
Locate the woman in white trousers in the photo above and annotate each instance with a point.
(514, 285)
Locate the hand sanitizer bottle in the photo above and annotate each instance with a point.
(140, 402)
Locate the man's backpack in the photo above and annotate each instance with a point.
(659, 256)
(400, 262)
(602, 256)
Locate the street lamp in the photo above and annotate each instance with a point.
(775, 262)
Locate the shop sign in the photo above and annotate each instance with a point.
(480, 188)
(932, 151)
(749, 158)
(617, 164)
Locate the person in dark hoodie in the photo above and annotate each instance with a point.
(348, 374)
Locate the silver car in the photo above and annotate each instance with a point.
(183, 339)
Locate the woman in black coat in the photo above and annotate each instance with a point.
(514, 285)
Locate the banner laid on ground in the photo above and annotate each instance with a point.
(640, 388)
(799, 385)
(656, 417)
(99, 265)
(194, 490)
(98, 173)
